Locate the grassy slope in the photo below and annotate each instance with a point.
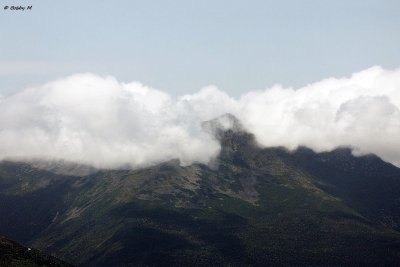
(13, 254)
(261, 206)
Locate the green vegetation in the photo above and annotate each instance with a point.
(259, 207)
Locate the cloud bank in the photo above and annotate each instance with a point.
(99, 121)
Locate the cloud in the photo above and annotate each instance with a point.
(99, 121)
(361, 111)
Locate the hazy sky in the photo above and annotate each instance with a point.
(180, 46)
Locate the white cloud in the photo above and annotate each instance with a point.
(361, 111)
(100, 121)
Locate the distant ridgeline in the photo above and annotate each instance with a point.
(254, 207)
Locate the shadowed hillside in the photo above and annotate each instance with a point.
(254, 207)
(13, 254)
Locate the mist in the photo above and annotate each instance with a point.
(99, 121)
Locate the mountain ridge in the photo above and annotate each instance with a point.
(261, 206)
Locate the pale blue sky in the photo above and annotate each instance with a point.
(180, 46)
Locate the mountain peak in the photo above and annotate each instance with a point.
(229, 131)
(222, 123)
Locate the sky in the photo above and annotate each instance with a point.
(181, 46)
(129, 83)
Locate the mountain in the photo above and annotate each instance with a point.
(13, 254)
(252, 207)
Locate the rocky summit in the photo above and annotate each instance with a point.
(253, 206)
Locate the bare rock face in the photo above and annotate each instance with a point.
(221, 124)
(63, 168)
